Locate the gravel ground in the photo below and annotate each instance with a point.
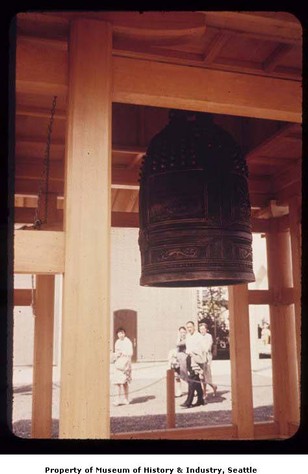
(147, 410)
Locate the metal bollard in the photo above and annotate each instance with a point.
(170, 399)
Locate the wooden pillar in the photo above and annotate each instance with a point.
(43, 357)
(170, 399)
(283, 339)
(84, 401)
(295, 233)
(241, 378)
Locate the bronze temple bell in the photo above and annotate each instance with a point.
(194, 206)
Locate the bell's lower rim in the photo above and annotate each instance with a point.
(195, 280)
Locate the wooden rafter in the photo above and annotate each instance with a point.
(216, 46)
(275, 58)
(254, 96)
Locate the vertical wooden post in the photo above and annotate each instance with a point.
(241, 379)
(170, 399)
(283, 339)
(43, 357)
(295, 232)
(84, 400)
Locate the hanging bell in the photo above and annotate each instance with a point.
(194, 207)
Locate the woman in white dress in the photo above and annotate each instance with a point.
(122, 373)
(207, 371)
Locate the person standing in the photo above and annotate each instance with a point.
(208, 345)
(122, 374)
(195, 361)
(181, 357)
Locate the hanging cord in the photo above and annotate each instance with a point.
(44, 183)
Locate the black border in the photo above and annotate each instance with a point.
(9, 443)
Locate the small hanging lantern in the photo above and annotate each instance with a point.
(194, 206)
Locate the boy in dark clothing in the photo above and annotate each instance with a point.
(194, 385)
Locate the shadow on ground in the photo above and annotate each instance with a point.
(22, 428)
(23, 389)
(142, 399)
(218, 398)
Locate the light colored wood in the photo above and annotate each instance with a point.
(22, 297)
(241, 378)
(261, 431)
(213, 432)
(283, 334)
(296, 244)
(266, 430)
(41, 426)
(40, 68)
(122, 219)
(28, 111)
(84, 398)
(251, 24)
(136, 50)
(259, 297)
(28, 170)
(170, 422)
(38, 252)
(216, 46)
(256, 25)
(166, 85)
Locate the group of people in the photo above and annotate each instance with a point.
(192, 363)
(191, 359)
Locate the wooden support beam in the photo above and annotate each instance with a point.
(283, 333)
(268, 430)
(170, 408)
(42, 69)
(192, 88)
(22, 297)
(259, 297)
(84, 397)
(28, 111)
(266, 146)
(31, 186)
(288, 176)
(256, 25)
(273, 60)
(41, 426)
(241, 378)
(40, 252)
(25, 215)
(259, 226)
(216, 46)
(296, 245)
(206, 433)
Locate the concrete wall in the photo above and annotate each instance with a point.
(160, 311)
(23, 332)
